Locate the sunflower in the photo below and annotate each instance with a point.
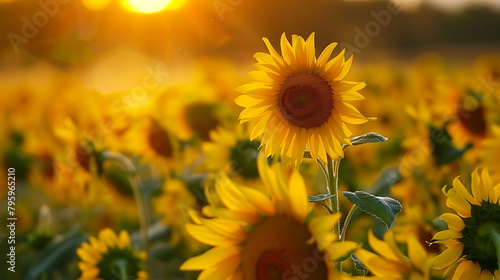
(299, 102)
(232, 152)
(266, 235)
(470, 252)
(110, 257)
(390, 263)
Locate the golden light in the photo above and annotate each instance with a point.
(146, 6)
(95, 4)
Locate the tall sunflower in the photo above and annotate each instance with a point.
(110, 257)
(266, 235)
(470, 252)
(299, 102)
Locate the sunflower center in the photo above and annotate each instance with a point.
(288, 256)
(159, 140)
(479, 247)
(117, 261)
(472, 119)
(306, 100)
(244, 158)
(201, 118)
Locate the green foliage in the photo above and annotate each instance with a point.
(383, 208)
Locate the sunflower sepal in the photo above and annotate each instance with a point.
(383, 208)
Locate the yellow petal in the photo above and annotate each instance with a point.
(461, 268)
(210, 258)
(488, 185)
(223, 269)
(325, 55)
(447, 234)
(416, 252)
(448, 257)
(476, 185)
(463, 192)
(286, 50)
(454, 222)
(206, 235)
(381, 247)
(124, 239)
(340, 251)
(298, 195)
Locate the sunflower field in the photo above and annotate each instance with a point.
(250, 140)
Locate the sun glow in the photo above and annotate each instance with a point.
(146, 6)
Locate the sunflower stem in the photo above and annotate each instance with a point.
(134, 182)
(346, 222)
(496, 240)
(333, 188)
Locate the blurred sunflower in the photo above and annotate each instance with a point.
(110, 257)
(266, 235)
(197, 110)
(232, 152)
(299, 102)
(470, 121)
(490, 153)
(173, 206)
(470, 252)
(391, 263)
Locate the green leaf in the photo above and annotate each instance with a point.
(320, 197)
(443, 149)
(384, 208)
(371, 137)
(57, 254)
(388, 178)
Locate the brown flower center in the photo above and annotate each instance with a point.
(288, 256)
(306, 100)
(159, 140)
(473, 120)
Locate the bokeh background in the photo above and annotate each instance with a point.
(90, 86)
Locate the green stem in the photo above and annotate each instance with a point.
(496, 240)
(326, 207)
(135, 182)
(333, 188)
(346, 222)
(122, 269)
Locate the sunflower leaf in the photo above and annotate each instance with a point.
(444, 151)
(57, 254)
(320, 197)
(371, 137)
(383, 208)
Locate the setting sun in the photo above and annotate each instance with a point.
(146, 6)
